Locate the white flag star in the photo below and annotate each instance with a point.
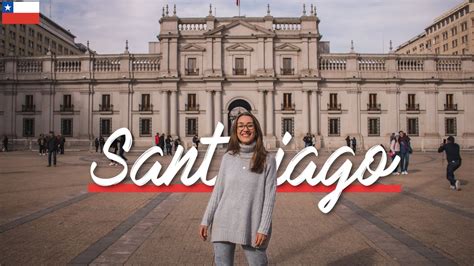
(7, 8)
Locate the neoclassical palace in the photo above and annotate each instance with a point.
(205, 70)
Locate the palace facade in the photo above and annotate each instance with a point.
(205, 70)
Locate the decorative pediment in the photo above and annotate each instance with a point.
(240, 28)
(192, 48)
(287, 47)
(239, 47)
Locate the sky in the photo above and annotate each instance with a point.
(371, 24)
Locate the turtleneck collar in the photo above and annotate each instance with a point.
(247, 149)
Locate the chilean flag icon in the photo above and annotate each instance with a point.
(20, 13)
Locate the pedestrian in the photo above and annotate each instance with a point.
(101, 143)
(52, 145)
(241, 205)
(313, 140)
(354, 144)
(177, 142)
(162, 142)
(169, 144)
(306, 140)
(41, 145)
(121, 144)
(405, 151)
(348, 141)
(115, 148)
(157, 139)
(5, 143)
(453, 156)
(196, 141)
(96, 144)
(62, 141)
(395, 151)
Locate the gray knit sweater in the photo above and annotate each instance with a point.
(242, 201)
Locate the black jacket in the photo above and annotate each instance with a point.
(452, 151)
(52, 143)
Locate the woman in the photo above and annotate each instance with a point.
(395, 150)
(241, 205)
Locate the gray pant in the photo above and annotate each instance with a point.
(224, 254)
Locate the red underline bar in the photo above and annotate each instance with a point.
(201, 188)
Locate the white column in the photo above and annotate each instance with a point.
(164, 112)
(306, 110)
(218, 108)
(174, 113)
(270, 114)
(431, 113)
(261, 111)
(209, 112)
(314, 112)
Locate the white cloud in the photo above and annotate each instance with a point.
(370, 23)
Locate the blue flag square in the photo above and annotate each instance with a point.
(7, 7)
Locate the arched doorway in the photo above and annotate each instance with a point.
(235, 108)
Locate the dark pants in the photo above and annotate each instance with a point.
(404, 159)
(399, 164)
(5, 146)
(96, 148)
(452, 166)
(61, 148)
(121, 154)
(51, 154)
(168, 150)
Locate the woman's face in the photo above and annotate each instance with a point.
(245, 129)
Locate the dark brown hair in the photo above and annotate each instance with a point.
(259, 154)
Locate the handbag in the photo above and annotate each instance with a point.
(391, 154)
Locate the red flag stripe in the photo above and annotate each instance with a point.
(20, 18)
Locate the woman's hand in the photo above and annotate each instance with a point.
(260, 239)
(203, 232)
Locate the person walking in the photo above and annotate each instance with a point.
(162, 142)
(177, 142)
(196, 141)
(313, 140)
(354, 144)
(169, 144)
(395, 151)
(62, 141)
(121, 144)
(453, 156)
(52, 146)
(101, 143)
(96, 144)
(348, 141)
(114, 146)
(241, 205)
(405, 151)
(157, 139)
(5, 143)
(41, 144)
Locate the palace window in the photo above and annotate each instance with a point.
(66, 127)
(287, 69)
(373, 126)
(287, 102)
(192, 103)
(145, 103)
(239, 68)
(105, 126)
(454, 31)
(105, 106)
(28, 127)
(287, 125)
(412, 105)
(145, 127)
(412, 126)
(450, 105)
(334, 126)
(445, 35)
(333, 103)
(191, 127)
(192, 69)
(455, 43)
(450, 126)
(373, 105)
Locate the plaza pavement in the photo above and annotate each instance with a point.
(48, 217)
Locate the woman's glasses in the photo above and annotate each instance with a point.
(241, 127)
